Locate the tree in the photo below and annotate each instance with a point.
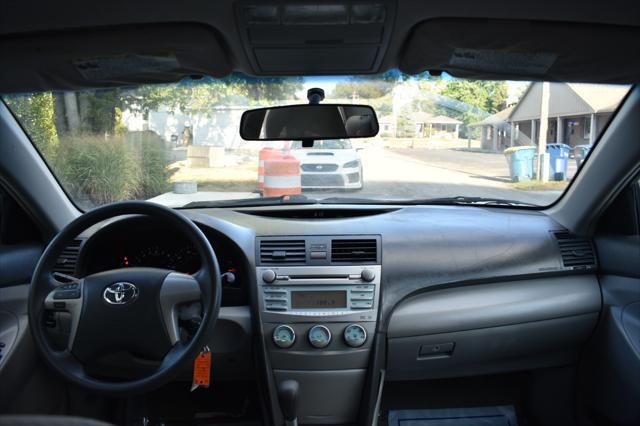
(36, 114)
(201, 96)
(489, 96)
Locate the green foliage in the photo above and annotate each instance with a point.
(95, 170)
(202, 96)
(35, 113)
(152, 160)
(489, 96)
(98, 110)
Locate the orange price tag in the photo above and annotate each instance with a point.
(202, 370)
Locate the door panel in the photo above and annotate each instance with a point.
(611, 368)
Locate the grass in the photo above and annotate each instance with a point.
(535, 185)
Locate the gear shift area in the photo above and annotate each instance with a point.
(288, 394)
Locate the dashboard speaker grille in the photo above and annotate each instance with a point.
(577, 253)
(354, 250)
(66, 263)
(282, 251)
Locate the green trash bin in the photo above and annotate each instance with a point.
(521, 160)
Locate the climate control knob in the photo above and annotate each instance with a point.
(355, 335)
(319, 336)
(367, 275)
(283, 336)
(269, 276)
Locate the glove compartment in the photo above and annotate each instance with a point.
(492, 328)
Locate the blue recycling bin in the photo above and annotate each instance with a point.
(580, 153)
(558, 160)
(521, 159)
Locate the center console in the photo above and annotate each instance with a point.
(318, 302)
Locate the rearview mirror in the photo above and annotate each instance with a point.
(309, 122)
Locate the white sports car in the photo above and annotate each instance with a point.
(330, 164)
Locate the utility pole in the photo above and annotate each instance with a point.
(543, 157)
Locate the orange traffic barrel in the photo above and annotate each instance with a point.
(282, 177)
(263, 155)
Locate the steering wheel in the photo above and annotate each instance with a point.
(128, 309)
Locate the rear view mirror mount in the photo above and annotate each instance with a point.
(309, 122)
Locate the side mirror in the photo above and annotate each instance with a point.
(309, 122)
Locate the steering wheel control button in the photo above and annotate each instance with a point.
(319, 336)
(367, 275)
(59, 305)
(269, 276)
(355, 335)
(66, 294)
(121, 293)
(284, 337)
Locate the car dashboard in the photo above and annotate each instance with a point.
(340, 297)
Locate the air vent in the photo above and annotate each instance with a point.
(354, 251)
(66, 263)
(577, 253)
(282, 251)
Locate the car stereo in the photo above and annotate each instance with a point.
(344, 293)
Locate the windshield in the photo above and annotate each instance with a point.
(440, 137)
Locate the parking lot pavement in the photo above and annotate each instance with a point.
(424, 173)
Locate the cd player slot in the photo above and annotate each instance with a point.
(320, 277)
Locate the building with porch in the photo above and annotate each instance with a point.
(495, 130)
(435, 126)
(577, 113)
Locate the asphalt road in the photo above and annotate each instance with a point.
(431, 173)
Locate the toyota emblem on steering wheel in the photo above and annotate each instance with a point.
(120, 293)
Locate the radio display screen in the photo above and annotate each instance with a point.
(318, 299)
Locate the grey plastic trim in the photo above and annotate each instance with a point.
(491, 305)
(73, 306)
(326, 397)
(176, 288)
(491, 350)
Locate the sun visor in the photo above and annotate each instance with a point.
(114, 56)
(524, 50)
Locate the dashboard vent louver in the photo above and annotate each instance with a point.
(354, 250)
(577, 253)
(282, 251)
(66, 263)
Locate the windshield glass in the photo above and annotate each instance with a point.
(439, 137)
(325, 144)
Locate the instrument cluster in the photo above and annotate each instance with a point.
(140, 242)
